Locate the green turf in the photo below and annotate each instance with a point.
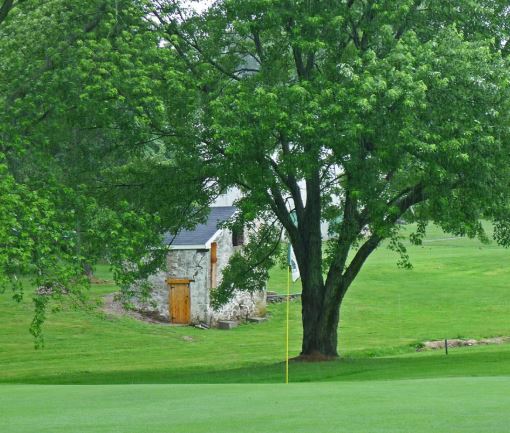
(460, 405)
(154, 378)
(458, 288)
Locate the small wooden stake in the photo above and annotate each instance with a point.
(446, 346)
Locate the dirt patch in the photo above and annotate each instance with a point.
(114, 308)
(95, 280)
(458, 342)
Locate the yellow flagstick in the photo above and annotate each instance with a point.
(287, 335)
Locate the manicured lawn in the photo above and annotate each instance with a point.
(460, 405)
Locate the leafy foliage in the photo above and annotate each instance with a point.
(81, 122)
(248, 268)
(35, 242)
(355, 113)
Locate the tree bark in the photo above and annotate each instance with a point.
(88, 271)
(320, 311)
(5, 8)
(320, 335)
(321, 316)
(321, 301)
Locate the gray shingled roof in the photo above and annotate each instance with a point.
(202, 232)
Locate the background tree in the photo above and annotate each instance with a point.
(82, 148)
(357, 113)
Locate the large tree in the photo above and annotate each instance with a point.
(358, 113)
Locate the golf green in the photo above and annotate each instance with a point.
(425, 405)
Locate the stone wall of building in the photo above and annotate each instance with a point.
(240, 307)
(196, 265)
(159, 296)
(225, 251)
(243, 304)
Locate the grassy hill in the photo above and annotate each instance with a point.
(458, 288)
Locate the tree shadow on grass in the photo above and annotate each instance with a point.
(461, 363)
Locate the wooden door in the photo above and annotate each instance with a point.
(179, 305)
(214, 265)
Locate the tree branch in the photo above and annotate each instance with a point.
(357, 262)
(310, 62)
(296, 52)
(95, 22)
(291, 180)
(258, 45)
(280, 209)
(415, 195)
(5, 9)
(171, 28)
(348, 233)
(401, 30)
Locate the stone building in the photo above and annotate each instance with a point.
(194, 267)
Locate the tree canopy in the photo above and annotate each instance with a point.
(358, 113)
(79, 129)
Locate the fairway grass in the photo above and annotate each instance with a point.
(463, 405)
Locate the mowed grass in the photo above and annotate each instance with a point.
(460, 405)
(154, 378)
(458, 288)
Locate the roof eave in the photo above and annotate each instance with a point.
(189, 247)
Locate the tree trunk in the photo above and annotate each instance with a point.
(88, 271)
(320, 303)
(320, 316)
(320, 326)
(320, 335)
